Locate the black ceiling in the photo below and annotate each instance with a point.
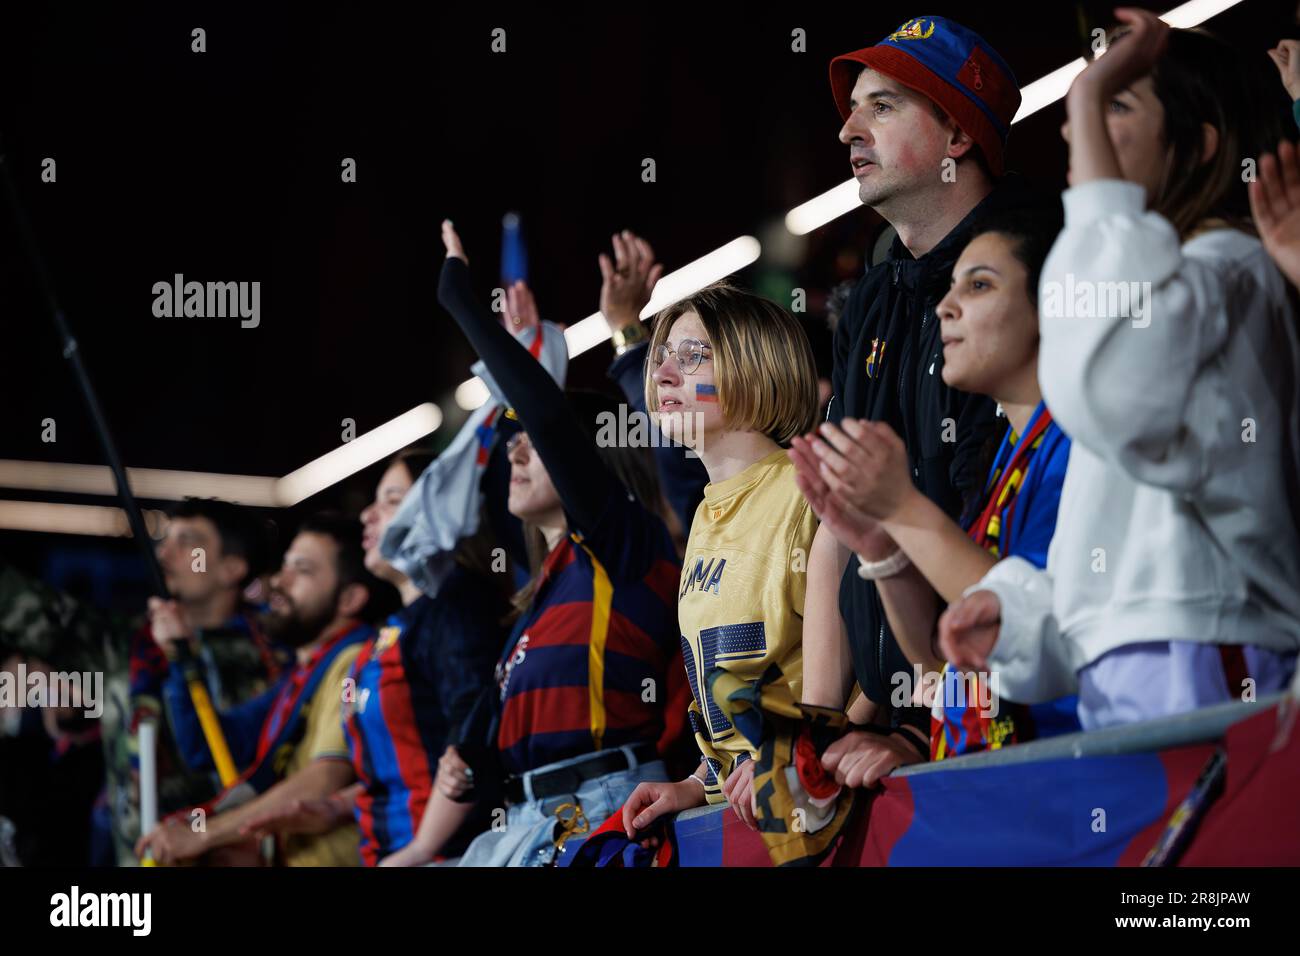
(225, 166)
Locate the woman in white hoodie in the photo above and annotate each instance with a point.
(1168, 354)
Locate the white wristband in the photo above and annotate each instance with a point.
(692, 776)
(875, 570)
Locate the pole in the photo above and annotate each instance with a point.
(147, 749)
(198, 692)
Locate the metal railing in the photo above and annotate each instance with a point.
(1194, 727)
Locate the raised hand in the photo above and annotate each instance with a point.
(521, 308)
(451, 241)
(1275, 204)
(628, 280)
(1130, 56)
(1286, 56)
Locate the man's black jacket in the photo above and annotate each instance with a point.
(888, 367)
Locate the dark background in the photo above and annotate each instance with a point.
(225, 166)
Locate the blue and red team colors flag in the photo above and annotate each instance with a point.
(1225, 803)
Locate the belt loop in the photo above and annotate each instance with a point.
(630, 754)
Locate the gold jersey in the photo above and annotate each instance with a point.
(740, 603)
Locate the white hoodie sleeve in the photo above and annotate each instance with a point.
(1123, 385)
(1031, 662)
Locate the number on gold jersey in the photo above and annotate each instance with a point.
(721, 645)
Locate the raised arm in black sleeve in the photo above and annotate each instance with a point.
(585, 486)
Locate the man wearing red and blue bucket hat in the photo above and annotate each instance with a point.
(926, 115)
(930, 64)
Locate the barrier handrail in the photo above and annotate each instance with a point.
(1194, 727)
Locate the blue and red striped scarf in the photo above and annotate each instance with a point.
(967, 727)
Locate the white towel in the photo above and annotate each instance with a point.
(443, 505)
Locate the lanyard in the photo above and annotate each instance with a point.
(988, 530)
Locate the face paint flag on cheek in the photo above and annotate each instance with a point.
(706, 393)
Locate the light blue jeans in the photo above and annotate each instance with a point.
(528, 837)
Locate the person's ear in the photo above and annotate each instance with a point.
(1209, 142)
(959, 142)
(352, 599)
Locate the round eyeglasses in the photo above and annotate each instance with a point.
(689, 354)
(515, 441)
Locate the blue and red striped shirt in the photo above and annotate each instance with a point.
(414, 683)
(596, 659)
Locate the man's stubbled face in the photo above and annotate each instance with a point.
(896, 141)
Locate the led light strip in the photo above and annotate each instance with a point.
(145, 482)
(256, 491)
(98, 520)
(361, 452)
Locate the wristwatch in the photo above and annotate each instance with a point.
(628, 336)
